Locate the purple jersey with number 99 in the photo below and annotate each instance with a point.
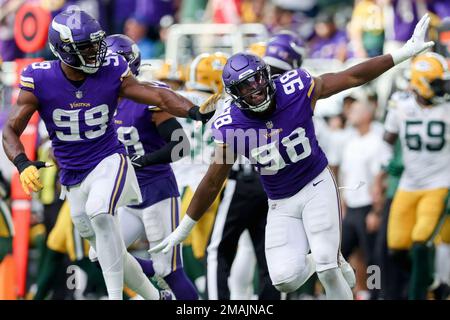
(78, 119)
(283, 147)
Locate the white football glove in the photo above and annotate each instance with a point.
(416, 44)
(137, 161)
(176, 237)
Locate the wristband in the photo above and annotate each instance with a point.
(400, 55)
(194, 113)
(186, 224)
(21, 162)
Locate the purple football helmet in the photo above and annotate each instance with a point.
(246, 78)
(284, 51)
(77, 40)
(123, 45)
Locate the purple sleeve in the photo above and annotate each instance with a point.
(218, 134)
(123, 69)
(117, 66)
(309, 86)
(27, 79)
(221, 125)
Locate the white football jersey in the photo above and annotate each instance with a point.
(425, 138)
(189, 171)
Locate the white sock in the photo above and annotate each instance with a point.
(240, 281)
(136, 280)
(347, 271)
(336, 288)
(110, 251)
(114, 285)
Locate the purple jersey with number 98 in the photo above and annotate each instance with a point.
(283, 147)
(78, 119)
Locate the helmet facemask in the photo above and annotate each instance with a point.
(87, 56)
(254, 92)
(441, 90)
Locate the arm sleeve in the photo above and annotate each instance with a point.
(172, 132)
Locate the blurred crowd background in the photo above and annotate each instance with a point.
(334, 34)
(331, 29)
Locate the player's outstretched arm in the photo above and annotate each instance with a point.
(17, 121)
(332, 83)
(211, 184)
(204, 196)
(177, 143)
(166, 99)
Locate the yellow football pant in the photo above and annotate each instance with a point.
(418, 217)
(64, 238)
(6, 229)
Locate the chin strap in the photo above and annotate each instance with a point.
(263, 106)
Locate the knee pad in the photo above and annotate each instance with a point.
(325, 257)
(288, 277)
(83, 224)
(287, 287)
(102, 222)
(106, 229)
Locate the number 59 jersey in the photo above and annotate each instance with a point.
(283, 147)
(424, 134)
(78, 119)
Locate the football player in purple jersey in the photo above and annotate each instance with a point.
(76, 96)
(151, 136)
(237, 239)
(270, 122)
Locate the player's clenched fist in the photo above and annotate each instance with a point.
(29, 172)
